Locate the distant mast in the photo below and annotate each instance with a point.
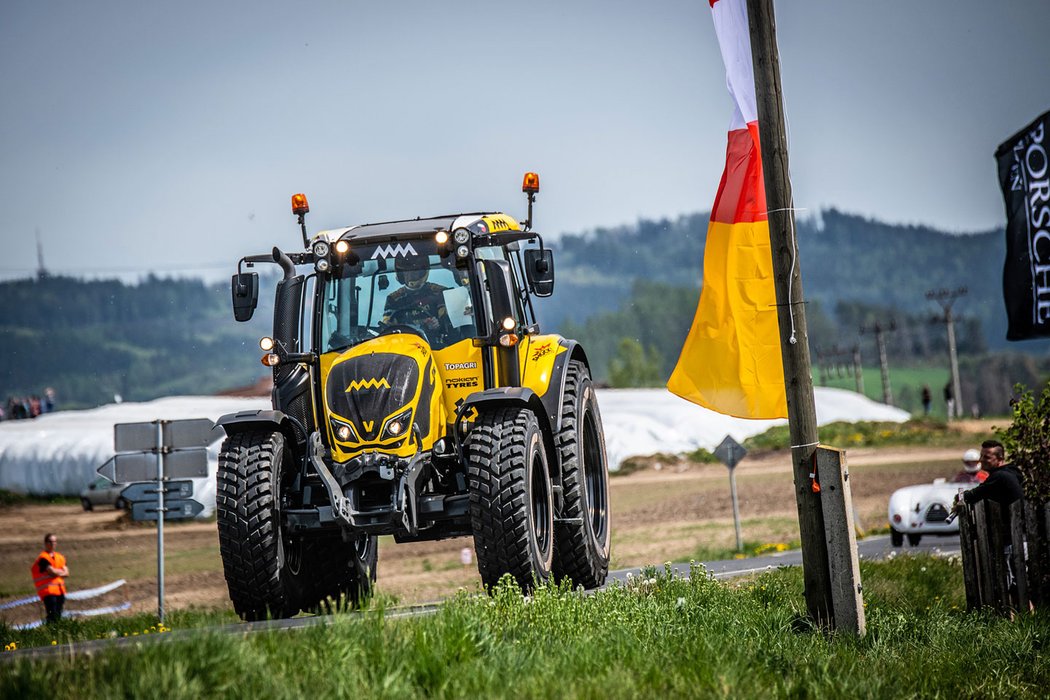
(41, 271)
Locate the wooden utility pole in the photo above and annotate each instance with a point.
(884, 365)
(826, 550)
(858, 370)
(946, 298)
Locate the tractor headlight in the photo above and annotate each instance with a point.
(344, 432)
(341, 247)
(266, 343)
(322, 265)
(441, 237)
(461, 236)
(398, 425)
(462, 251)
(320, 249)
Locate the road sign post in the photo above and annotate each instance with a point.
(150, 454)
(160, 521)
(730, 452)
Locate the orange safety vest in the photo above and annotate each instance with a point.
(46, 584)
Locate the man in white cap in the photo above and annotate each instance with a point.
(972, 472)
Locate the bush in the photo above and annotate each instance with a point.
(1027, 442)
(924, 431)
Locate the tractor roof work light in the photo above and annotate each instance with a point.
(530, 185)
(341, 247)
(300, 208)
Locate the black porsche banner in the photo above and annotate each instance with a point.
(1025, 180)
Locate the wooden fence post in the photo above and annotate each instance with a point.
(997, 558)
(983, 559)
(970, 560)
(836, 501)
(1017, 554)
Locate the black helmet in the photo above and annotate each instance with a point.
(416, 266)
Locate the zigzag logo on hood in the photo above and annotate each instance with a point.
(359, 384)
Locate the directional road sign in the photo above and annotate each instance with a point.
(142, 466)
(180, 509)
(140, 437)
(147, 491)
(730, 452)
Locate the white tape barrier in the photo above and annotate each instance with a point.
(78, 613)
(20, 601)
(95, 592)
(75, 595)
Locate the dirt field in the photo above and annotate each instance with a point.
(662, 513)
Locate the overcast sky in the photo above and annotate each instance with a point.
(167, 136)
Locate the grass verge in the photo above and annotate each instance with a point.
(657, 636)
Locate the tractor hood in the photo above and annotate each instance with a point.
(387, 392)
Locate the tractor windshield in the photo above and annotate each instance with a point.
(399, 287)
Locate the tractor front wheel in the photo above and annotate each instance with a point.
(253, 551)
(511, 501)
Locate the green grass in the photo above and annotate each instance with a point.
(659, 636)
(10, 498)
(926, 432)
(906, 384)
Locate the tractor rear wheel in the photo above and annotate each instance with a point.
(343, 572)
(581, 545)
(255, 555)
(511, 502)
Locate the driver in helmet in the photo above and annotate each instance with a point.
(417, 303)
(972, 472)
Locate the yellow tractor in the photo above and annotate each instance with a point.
(414, 396)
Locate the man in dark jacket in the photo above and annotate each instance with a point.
(1003, 484)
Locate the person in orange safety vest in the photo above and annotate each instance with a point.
(49, 574)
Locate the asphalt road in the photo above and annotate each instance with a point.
(877, 547)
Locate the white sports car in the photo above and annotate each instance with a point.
(923, 510)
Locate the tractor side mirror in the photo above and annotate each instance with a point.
(245, 289)
(539, 269)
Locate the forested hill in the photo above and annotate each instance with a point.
(92, 340)
(845, 258)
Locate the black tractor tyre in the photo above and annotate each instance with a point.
(914, 538)
(251, 545)
(343, 572)
(511, 501)
(582, 533)
(896, 538)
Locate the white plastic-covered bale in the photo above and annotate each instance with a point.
(651, 421)
(59, 453)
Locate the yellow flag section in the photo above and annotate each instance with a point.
(731, 360)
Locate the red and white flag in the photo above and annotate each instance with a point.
(731, 361)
